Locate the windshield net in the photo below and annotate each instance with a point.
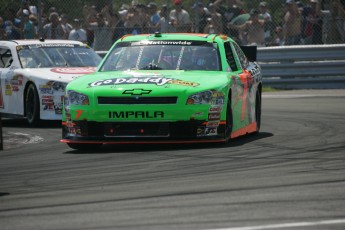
(62, 56)
(162, 57)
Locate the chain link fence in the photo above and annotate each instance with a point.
(100, 23)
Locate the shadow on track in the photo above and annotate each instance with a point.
(113, 148)
(22, 123)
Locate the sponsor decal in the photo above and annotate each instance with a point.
(212, 124)
(184, 83)
(8, 89)
(159, 81)
(54, 45)
(136, 114)
(211, 131)
(85, 70)
(200, 131)
(215, 109)
(136, 91)
(147, 42)
(214, 116)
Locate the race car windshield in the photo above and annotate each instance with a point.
(60, 56)
(162, 57)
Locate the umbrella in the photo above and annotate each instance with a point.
(242, 18)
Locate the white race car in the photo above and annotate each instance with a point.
(34, 74)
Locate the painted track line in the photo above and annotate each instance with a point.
(287, 225)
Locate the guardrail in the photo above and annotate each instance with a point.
(311, 66)
(302, 66)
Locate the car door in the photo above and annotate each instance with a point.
(241, 80)
(5, 70)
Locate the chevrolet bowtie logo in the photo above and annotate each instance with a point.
(136, 91)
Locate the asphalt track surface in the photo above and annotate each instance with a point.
(290, 176)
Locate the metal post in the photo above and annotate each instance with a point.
(1, 138)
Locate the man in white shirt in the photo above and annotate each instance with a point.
(78, 33)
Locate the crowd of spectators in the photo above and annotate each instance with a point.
(314, 22)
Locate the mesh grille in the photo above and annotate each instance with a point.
(136, 100)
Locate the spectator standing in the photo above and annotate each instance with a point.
(12, 25)
(313, 26)
(229, 11)
(180, 18)
(292, 23)
(269, 26)
(216, 23)
(2, 29)
(163, 25)
(103, 31)
(65, 25)
(254, 28)
(77, 33)
(154, 15)
(54, 30)
(203, 17)
(28, 27)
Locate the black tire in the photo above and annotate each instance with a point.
(229, 119)
(84, 147)
(32, 106)
(258, 110)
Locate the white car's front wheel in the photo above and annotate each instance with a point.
(32, 106)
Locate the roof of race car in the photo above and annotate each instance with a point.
(176, 36)
(37, 41)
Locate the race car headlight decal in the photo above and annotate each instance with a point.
(75, 98)
(212, 97)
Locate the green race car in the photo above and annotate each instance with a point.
(165, 88)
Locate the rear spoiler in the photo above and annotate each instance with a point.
(250, 52)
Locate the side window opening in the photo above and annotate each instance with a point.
(230, 56)
(5, 58)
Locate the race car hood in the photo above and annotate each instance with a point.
(55, 74)
(158, 82)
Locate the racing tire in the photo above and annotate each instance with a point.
(85, 147)
(258, 111)
(32, 106)
(229, 121)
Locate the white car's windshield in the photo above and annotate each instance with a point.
(57, 56)
(162, 57)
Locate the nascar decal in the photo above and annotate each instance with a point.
(85, 70)
(159, 81)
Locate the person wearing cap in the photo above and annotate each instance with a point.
(77, 33)
(180, 18)
(254, 28)
(292, 23)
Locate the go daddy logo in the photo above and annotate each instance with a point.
(141, 80)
